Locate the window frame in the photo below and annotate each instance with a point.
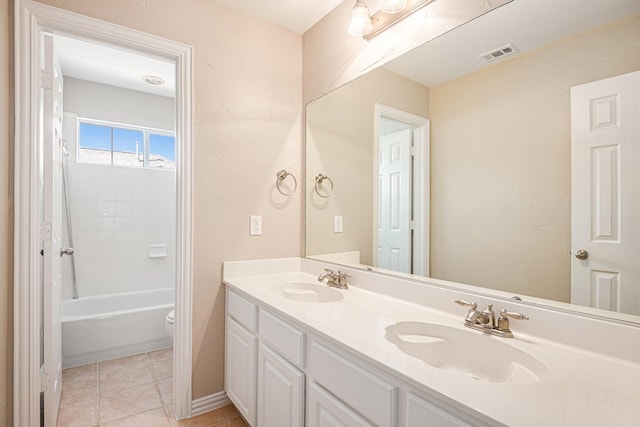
(146, 132)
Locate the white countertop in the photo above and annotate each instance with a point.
(584, 388)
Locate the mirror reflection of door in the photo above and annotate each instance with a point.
(401, 206)
(605, 207)
(394, 196)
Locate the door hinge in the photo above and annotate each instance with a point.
(46, 82)
(412, 151)
(45, 231)
(412, 225)
(45, 380)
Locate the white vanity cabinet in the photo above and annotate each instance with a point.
(241, 355)
(279, 374)
(354, 383)
(280, 391)
(422, 412)
(264, 357)
(325, 410)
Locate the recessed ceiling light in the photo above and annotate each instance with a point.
(153, 80)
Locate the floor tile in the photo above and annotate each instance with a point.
(135, 391)
(70, 374)
(123, 362)
(124, 373)
(129, 402)
(154, 418)
(234, 422)
(210, 419)
(165, 353)
(80, 389)
(162, 368)
(79, 414)
(166, 391)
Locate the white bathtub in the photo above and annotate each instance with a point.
(110, 326)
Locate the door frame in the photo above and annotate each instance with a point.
(31, 20)
(419, 183)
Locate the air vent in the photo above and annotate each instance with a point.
(499, 53)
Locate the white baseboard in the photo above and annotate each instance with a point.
(209, 403)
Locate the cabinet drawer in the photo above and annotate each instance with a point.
(324, 410)
(420, 410)
(284, 338)
(243, 311)
(372, 397)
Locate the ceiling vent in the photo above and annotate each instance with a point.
(499, 53)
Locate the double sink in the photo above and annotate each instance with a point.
(472, 353)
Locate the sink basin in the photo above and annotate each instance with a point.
(307, 292)
(472, 353)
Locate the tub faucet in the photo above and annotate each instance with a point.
(334, 279)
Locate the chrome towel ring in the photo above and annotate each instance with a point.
(320, 178)
(281, 176)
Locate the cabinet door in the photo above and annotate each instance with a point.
(280, 391)
(422, 413)
(324, 410)
(240, 370)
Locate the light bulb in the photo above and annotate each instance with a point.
(360, 20)
(392, 6)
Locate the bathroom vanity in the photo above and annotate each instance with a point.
(394, 352)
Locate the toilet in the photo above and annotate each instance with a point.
(169, 325)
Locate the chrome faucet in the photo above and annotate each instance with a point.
(485, 320)
(334, 279)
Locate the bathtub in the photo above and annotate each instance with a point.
(109, 326)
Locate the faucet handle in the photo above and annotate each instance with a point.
(342, 279)
(503, 322)
(473, 305)
(513, 315)
(328, 270)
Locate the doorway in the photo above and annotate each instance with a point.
(33, 22)
(401, 196)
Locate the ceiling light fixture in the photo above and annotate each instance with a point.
(153, 80)
(392, 6)
(391, 12)
(360, 20)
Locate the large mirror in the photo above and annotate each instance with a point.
(458, 161)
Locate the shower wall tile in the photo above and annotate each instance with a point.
(116, 213)
(125, 192)
(106, 192)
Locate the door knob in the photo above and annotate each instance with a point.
(582, 254)
(66, 251)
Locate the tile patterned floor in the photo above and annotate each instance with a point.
(134, 391)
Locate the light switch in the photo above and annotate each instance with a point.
(255, 225)
(337, 224)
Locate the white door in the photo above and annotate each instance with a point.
(394, 201)
(605, 184)
(52, 226)
(280, 391)
(240, 369)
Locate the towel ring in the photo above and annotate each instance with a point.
(319, 179)
(281, 176)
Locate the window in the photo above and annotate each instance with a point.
(121, 145)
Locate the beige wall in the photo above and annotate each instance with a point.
(6, 182)
(332, 57)
(500, 164)
(247, 112)
(339, 143)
